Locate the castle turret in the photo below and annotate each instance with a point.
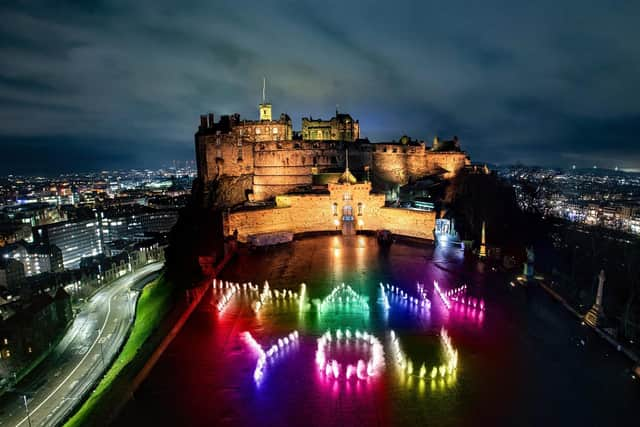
(265, 107)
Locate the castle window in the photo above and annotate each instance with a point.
(334, 209)
(395, 150)
(384, 149)
(347, 196)
(360, 209)
(257, 131)
(275, 131)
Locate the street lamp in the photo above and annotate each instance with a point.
(26, 408)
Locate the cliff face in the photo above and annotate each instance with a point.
(227, 191)
(400, 167)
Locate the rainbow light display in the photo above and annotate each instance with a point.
(469, 301)
(303, 295)
(219, 284)
(373, 360)
(418, 302)
(406, 365)
(457, 291)
(344, 296)
(265, 356)
(451, 354)
(362, 370)
(267, 294)
(385, 300)
(226, 296)
(443, 297)
(423, 295)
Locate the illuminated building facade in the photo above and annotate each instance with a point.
(75, 239)
(341, 127)
(346, 206)
(36, 258)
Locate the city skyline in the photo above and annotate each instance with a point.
(111, 86)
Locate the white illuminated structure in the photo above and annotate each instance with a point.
(362, 370)
(406, 366)
(265, 357)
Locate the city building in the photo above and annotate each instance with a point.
(30, 328)
(341, 127)
(33, 214)
(75, 239)
(36, 258)
(11, 232)
(11, 273)
(139, 225)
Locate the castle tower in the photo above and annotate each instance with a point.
(265, 107)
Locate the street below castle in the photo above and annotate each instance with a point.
(80, 358)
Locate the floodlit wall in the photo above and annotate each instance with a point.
(399, 164)
(301, 213)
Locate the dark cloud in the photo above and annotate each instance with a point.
(97, 84)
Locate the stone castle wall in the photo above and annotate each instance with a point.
(283, 166)
(227, 155)
(279, 167)
(316, 212)
(404, 222)
(396, 164)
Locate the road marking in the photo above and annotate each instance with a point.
(106, 318)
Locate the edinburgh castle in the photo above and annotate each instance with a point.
(242, 160)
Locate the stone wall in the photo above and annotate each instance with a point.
(282, 166)
(323, 212)
(404, 222)
(227, 155)
(397, 164)
(452, 161)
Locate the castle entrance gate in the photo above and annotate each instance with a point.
(348, 226)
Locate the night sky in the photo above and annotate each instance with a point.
(116, 84)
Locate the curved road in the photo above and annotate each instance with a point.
(79, 359)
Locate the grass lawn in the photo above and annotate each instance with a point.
(156, 300)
